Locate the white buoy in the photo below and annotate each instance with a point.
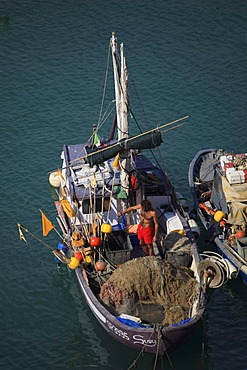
(55, 179)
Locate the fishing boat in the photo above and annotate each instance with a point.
(218, 181)
(152, 303)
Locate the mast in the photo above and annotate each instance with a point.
(121, 83)
(124, 95)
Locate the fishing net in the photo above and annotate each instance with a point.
(152, 289)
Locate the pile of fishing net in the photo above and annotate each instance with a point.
(152, 289)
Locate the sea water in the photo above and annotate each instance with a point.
(185, 57)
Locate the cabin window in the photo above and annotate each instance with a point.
(86, 209)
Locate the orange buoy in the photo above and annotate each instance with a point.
(100, 265)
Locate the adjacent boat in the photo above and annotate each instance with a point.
(150, 303)
(218, 181)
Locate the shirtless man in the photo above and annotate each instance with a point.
(148, 226)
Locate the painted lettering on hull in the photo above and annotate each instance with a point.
(138, 339)
(117, 331)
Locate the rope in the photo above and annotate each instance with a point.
(111, 193)
(35, 237)
(104, 89)
(157, 348)
(134, 363)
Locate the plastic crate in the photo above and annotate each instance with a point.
(242, 247)
(118, 257)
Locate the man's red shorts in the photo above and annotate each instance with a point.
(145, 233)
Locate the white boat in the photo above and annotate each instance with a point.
(218, 181)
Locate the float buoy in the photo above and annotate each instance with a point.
(181, 232)
(78, 240)
(79, 256)
(63, 249)
(94, 241)
(55, 179)
(106, 228)
(219, 215)
(87, 260)
(100, 265)
(240, 234)
(74, 263)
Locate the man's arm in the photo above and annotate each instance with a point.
(127, 210)
(156, 226)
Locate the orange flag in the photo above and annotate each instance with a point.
(47, 225)
(116, 163)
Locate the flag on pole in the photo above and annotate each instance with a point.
(96, 139)
(47, 225)
(94, 184)
(22, 237)
(116, 163)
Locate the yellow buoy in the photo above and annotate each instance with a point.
(219, 215)
(106, 228)
(181, 232)
(74, 263)
(87, 260)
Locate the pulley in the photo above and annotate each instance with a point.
(215, 270)
(214, 273)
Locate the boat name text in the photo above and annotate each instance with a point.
(117, 331)
(138, 339)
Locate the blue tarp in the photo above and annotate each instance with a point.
(132, 323)
(181, 322)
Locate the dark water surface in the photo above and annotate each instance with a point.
(185, 57)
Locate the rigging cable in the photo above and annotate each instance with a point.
(104, 89)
